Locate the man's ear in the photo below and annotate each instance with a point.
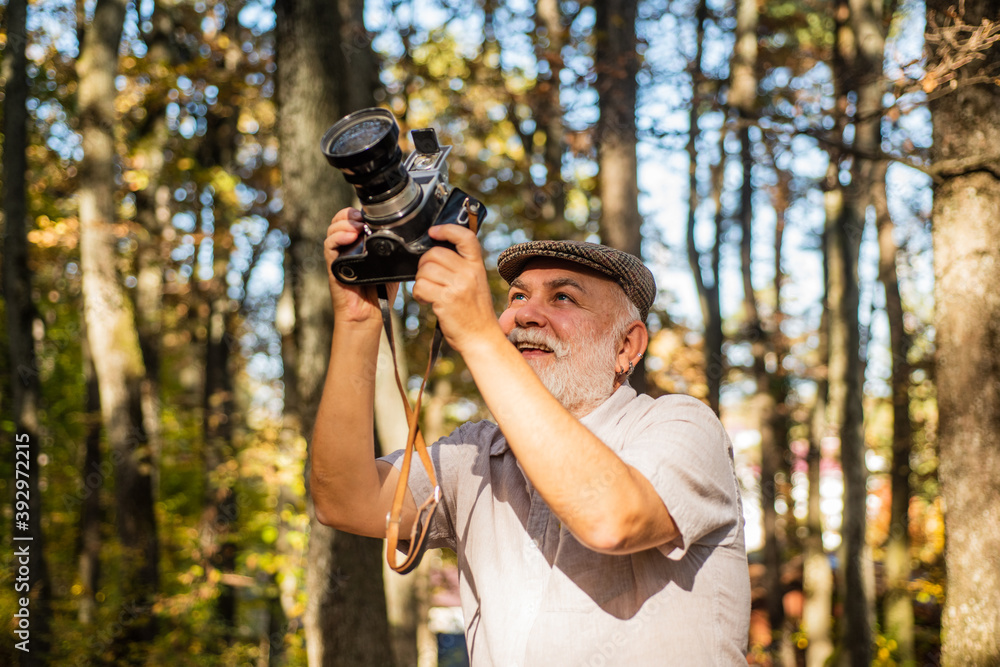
(634, 345)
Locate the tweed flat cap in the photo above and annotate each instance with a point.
(625, 269)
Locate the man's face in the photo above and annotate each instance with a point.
(561, 317)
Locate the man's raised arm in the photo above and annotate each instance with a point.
(350, 490)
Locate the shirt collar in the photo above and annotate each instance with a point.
(607, 413)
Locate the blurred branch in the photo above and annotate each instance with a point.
(237, 580)
(953, 44)
(937, 171)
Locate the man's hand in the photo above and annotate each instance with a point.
(454, 283)
(350, 303)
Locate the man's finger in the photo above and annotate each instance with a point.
(463, 238)
(344, 225)
(434, 274)
(348, 214)
(342, 237)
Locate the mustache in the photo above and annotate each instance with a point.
(520, 337)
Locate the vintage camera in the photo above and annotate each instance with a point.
(399, 201)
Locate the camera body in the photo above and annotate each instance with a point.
(400, 201)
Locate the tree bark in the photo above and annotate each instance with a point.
(111, 330)
(90, 540)
(779, 421)
(25, 388)
(549, 205)
(859, 51)
(218, 524)
(708, 294)
(218, 408)
(817, 574)
(346, 613)
(764, 404)
(898, 603)
(743, 78)
(617, 66)
(967, 324)
(844, 414)
(817, 613)
(359, 58)
(153, 215)
(290, 448)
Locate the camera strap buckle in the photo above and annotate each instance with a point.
(470, 210)
(414, 442)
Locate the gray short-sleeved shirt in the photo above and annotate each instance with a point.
(533, 595)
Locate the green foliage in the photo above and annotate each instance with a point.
(199, 202)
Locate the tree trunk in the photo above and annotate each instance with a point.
(708, 294)
(286, 606)
(845, 375)
(859, 52)
(346, 613)
(763, 407)
(617, 66)
(289, 449)
(840, 348)
(219, 411)
(549, 205)
(218, 407)
(153, 215)
(92, 479)
(111, 330)
(898, 603)
(779, 387)
(743, 78)
(743, 97)
(817, 575)
(967, 325)
(25, 388)
(359, 59)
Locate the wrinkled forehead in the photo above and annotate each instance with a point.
(544, 270)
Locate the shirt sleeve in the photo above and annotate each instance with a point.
(449, 455)
(681, 447)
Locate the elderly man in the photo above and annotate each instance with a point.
(592, 526)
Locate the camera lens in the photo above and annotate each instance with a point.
(362, 134)
(365, 147)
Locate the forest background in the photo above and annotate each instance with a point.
(167, 321)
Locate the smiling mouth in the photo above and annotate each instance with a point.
(530, 350)
(536, 344)
(533, 346)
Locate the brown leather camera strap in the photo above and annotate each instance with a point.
(414, 441)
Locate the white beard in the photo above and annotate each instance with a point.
(581, 376)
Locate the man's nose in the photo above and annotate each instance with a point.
(530, 314)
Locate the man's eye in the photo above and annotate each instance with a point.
(562, 296)
(516, 297)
